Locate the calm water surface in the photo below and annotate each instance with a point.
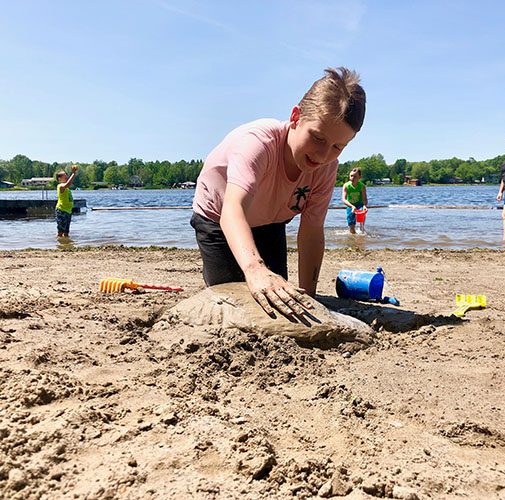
(404, 219)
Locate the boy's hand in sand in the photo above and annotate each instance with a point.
(273, 292)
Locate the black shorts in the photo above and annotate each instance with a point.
(219, 264)
(63, 221)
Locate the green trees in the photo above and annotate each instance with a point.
(137, 172)
(421, 170)
(159, 174)
(3, 170)
(397, 171)
(450, 171)
(134, 166)
(41, 169)
(469, 171)
(115, 175)
(372, 167)
(20, 167)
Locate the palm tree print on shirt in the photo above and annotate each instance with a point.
(300, 193)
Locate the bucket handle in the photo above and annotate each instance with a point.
(385, 299)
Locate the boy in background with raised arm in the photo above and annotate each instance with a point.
(65, 203)
(499, 197)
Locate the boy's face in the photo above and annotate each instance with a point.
(314, 143)
(63, 177)
(354, 177)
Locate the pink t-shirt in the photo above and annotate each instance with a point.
(252, 157)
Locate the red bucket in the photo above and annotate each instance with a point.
(360, 215)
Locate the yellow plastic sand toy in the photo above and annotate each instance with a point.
(467, 302)
(111, 285)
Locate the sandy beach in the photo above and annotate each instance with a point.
(97, 403)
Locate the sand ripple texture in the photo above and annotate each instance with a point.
(98, 401)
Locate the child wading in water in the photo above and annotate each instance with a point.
(499, 196)
(262, 175)
(65, 203)
(355, 198)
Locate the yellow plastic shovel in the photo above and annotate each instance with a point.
(467, 302)
(111, 285)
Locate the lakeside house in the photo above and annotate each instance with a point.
(37, 181)
(135, 181)
(409, 181)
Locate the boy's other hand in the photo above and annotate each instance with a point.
(273, 292)
(499, 197)
(74, 168)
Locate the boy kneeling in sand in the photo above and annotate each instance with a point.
(262, 175)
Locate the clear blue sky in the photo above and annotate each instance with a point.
(166, 79)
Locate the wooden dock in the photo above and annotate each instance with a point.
(34, 207)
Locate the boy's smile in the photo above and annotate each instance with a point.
(313, 143)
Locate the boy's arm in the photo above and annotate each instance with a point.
(310, 256)
(364, 196)
(266, 287)
(67, 184)
(344, 197)
(499, 197)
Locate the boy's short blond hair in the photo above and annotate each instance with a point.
(337, 95)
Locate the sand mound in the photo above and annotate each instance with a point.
(231, 305)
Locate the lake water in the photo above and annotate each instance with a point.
(404, 218)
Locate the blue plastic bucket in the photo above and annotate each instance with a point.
(360, 285)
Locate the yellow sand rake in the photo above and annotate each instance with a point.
(467, 302)
(113, 285)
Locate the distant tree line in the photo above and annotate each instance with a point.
(449, 171)
(149, 174)
(160, 174)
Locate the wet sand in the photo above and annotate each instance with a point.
(96, 402)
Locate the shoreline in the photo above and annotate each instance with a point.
(99, 399)
(379, 185)
(291, 250)
(356, 247)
